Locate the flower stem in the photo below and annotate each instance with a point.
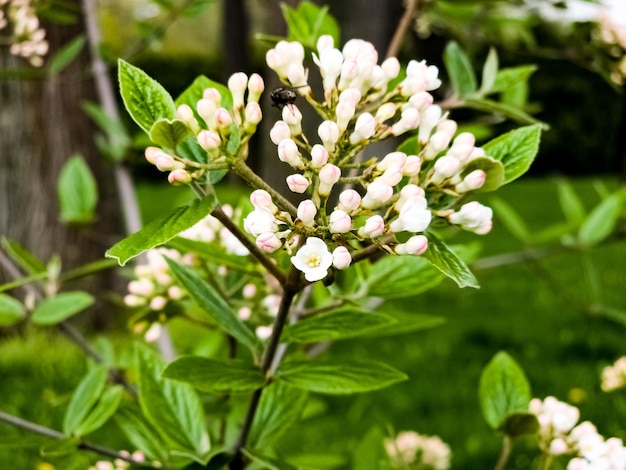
(505, 453)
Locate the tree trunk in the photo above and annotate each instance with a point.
(41, 125)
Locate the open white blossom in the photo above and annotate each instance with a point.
(313, 259)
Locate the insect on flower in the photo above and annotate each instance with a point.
(282, 97)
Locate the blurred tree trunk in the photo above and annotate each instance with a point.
(41, 125)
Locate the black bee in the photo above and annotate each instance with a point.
(282, 97)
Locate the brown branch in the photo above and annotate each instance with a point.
(403, 27)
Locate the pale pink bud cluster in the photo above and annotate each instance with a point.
(418, 451)
(614, 376)
(473, 217)
(119, 464)
(210, 230)
(286, 59)
(27, 37)
(263, 222)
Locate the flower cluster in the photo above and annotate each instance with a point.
(412, 450)
(213, 130)
(558, 435)
(614, 376)
(119, 464)
(393, 199)
(27, 37)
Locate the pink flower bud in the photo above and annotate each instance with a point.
(445, 167)
(374, 227)
(319, 156)
(329, 175)
(158, 303)
(206, 109)
(391, 176)
(279, 132)
(414, 216)
(293, 117)
(429, 119)
(351, 96)
(132, 300)
(364, 128)
(325, 42)
(438, 142)
(253, 113)
(261, 199)
(297, 183)
(263, 332)
(244, 313)
(307, 212)
(151, 153)
(341, 258)
(223, 119)
(268, 242)
(237, 84)
(412, 166)
(386, 112)
(249, 291)
(409, 120)
(339, 222)
(185, 114)
(329, 133)
(345, 112)
(212, 94)
(415, 245)
(288, 152)
(349, 200)
(179, 176)
(175, 292)
(277, 61)
(143, 287)
(165, 162)
(377, 193)
(209, 140)
(392, 160)
(152, 335)
(391, 67)
(473, 217)
(255, 88)
(296, 74)
(471, 182)
(260, 221)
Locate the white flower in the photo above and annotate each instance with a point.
(313, 259)
(414, 216)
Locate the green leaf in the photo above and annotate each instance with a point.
(570, 203)
(345, 323)
(115, 142)
(338, 378)
(446, 261)
(141, 434)
(212, 253)
(520, 424)
(66, 55)
(20, 255)
(280, 407)
(309, 22)
(516, 150)
(60, 448)
(511, 220)
(395, 277)
(265, 462)
(11, 310)
(77, 190)
(161, 230)
(370, 452)
(602, 220)
(494, 171)
(105, 408)
(194, 92)
(410, 146)
(172, 407)
(215, 375)
(507, 110)
(490, 71)
(503, 390)
(56, 309)
(145, 99)
(168, 133)
(84, 398)
(405, 323)
(213, 305)
(460, 70)
(511, 77)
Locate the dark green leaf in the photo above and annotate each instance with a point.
(20, 255)
(84, 398)
(11, 310)
(490, 71)
(509, 111)
(394, 277)
(503, 391)
(215, 375)
(460, 70)
(446, 261)
(105, 408)
(280, 407)
(172, 407)
(78, 193)
(512, 77)
(267, 463)
(511, 220)
(213, 305)
(516, 150)
(570, 203)
(336, 325)
(161, 230)
(141, 434)
(168, 133)
(145, 99)
(56, 309)
(494, 171)
(64, 56)
(520, 424)
(602, 220)
(339, 378)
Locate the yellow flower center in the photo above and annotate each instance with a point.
(313, 260)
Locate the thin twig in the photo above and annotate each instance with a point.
(403, 27)
(505, 453)
(54, 434)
